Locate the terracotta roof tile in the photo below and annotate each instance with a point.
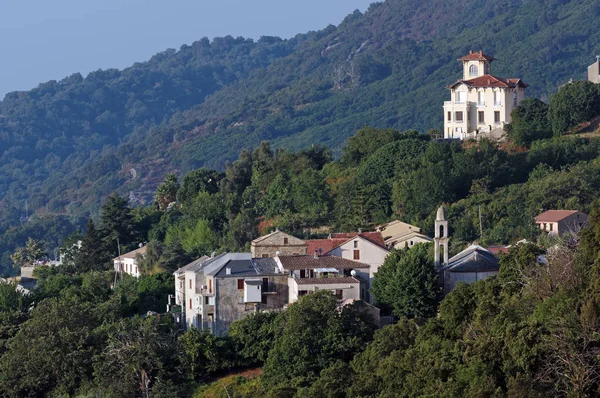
(490, 81)
(141, 251)
(373, 237)
(554, 215)
(326, 281)
(476, 56)
(322, 246)
(310, 262)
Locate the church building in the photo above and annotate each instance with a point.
(480, 102)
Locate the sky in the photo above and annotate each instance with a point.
(43, 40)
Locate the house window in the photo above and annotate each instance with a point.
(339, 294)
(357, 254)
(190, 304)
(190, 283)
(545, 227)
(473, 70)
(497, 98)
(461, 97)
(481, 117)
(355, 244)
(265, 255)
(515, 99)
(265, 285)
(263, 299)
(458, 116)
(302, 273)
(136, 270)
(497, 117)
(551, 226)
(412, 243)
(449, 116)
(210, 286)
(206, 300)
(240, 284)
(285, 241)
(181, 285)
(481, 98)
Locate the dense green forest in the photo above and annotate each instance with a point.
(532, 331)
(67, 144)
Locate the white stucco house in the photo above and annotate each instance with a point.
(127, 263)
(480, 102)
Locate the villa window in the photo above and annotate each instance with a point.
(190, 283)
(449, 116)
(481, 98)
(497, 117)
(458, 116)
(497, 98)
(473, 70)
(461, 97)
(190, 304)
(357, 254)
(481, 117)
(515, 99)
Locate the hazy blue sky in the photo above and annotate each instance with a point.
(49, 39)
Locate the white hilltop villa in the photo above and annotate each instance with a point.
(480, 102)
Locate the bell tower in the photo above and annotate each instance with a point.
(441, 238)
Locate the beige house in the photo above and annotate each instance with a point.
(396, 228)
(480, 102)
(594, 71)
(127, 263)
(559, 222)
(407, 240)
(277, 243)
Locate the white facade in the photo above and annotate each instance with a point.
(127, 263)
(344, 291)
(480, 102)
(364, 251)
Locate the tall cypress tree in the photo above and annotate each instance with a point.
(92, 256)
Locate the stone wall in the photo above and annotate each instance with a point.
(276, 242)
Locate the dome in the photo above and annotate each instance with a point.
(441, 214)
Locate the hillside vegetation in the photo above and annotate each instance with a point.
(67, 144)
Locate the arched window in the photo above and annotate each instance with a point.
(473, 70)
(442, 231)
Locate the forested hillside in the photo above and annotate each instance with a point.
(65, 145)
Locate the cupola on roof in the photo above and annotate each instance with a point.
(477, 56)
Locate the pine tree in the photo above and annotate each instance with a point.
(92, 255)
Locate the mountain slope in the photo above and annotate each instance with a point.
(67, 144)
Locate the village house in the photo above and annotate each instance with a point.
(364, 247)
(277, 243)
(400, 235)
(213, 292)
(480, 102)
(559, 222)
(347, 279)
(128, 263)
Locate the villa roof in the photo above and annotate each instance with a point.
(477, 56)
(490, 81)
(328, 281)
(141, 251)
(312, 262)
(554, 215)
(473, 259)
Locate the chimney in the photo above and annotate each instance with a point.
(360, 230)
(316, 254)
(228, 271)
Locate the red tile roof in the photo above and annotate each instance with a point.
(325, 245)
(477, 56)
(554, 215)
(337, 239)
(326, 281)
(310, 262)
(498, 249)
(373, 237)
(490, 81)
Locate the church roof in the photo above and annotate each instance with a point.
(490, 81)
(477, 56)
(473, 259)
